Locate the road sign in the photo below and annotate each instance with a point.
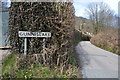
(34, 34)
(26, 34)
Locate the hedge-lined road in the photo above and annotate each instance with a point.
(96, 62)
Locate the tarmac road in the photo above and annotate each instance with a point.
(96, 62)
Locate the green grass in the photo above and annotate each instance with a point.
(37, 71)
(106, 47)
(9, 64)
(110, 49)
(10, 69)
(0, 71)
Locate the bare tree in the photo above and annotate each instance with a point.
(101, 14)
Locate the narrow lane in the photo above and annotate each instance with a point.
(96, 62)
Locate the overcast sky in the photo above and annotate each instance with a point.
(80, 6)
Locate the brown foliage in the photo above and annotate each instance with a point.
(108, 40)
(57, 18)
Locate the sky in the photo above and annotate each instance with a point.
(6, 3)
(80, 6)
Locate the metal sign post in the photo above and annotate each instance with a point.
(26, 34)
(25, 46)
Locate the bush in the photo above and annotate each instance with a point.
(57, 18)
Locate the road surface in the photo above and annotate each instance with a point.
(96, 62)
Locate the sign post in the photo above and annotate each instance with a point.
(27, 34)
(25, 46)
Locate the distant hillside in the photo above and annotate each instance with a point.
(106, 39)
(83, 24)
(87, 25)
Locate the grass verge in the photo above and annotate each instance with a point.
(10, 70)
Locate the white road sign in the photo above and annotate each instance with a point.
(33, 34)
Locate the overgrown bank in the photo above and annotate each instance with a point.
(26, 69)
(49, 53)
(108, 40)
(79, 36)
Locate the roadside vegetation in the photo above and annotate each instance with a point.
(52, 57)
(105, 27)
(14, 68)
(108, 40)
(102, 24)
(0, 71)
(79, 36)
